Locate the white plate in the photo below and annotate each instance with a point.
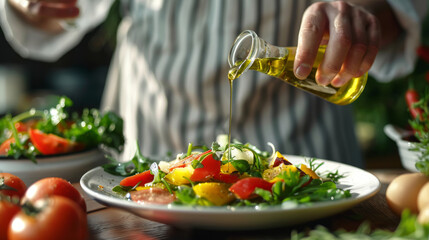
(68, 166)
(362, 185)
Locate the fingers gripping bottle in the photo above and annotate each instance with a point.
(249, 52)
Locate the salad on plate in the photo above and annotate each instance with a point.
(58, 131)
(225, 174)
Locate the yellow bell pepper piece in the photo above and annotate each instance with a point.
(216, 193)
(227, 168)
(309, 172)
(139, 188)
(158, 185)
(179, 176)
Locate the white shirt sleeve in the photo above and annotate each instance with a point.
(399, 58)
(32, 43)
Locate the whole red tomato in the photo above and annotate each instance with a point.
(7, 212)
(55, 217)
(53, 186)
(11, 185)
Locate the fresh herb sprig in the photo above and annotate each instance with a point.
(243, 166)
(421, 127)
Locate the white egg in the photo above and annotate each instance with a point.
(423, 217)
(423, 197)
(403, 191)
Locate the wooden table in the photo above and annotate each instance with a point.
(110, 223)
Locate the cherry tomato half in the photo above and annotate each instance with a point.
(55, 217)
(5, 146)
(11, 185)
(47, 187)
(210, 169)
(141, 178)
(245, 187)
(49, 144)
(227, 178)
(21, 127)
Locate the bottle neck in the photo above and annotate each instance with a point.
(247, 48)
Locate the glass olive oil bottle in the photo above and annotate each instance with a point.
(251, 52)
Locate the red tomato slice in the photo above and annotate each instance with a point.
(153, 195)
(245, 187)
(143, 178)
(227, 178)
(49, 143)
(21, 127)
(210, 169)
(5, 146)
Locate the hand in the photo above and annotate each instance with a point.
(352, 35)
(46, 14)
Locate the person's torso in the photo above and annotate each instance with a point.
(174, 86)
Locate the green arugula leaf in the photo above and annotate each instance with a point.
(141, 163)
(266, 195)
(186, 196)
(196, 163)
(242, 166)
(121, 190)
(407, 229)
(124, 190)
(137, 164)
(123, 169)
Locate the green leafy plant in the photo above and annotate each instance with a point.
(90, 129)
(408, 229)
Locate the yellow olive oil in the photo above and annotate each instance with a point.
(282, 68)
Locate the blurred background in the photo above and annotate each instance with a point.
(81, 75)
